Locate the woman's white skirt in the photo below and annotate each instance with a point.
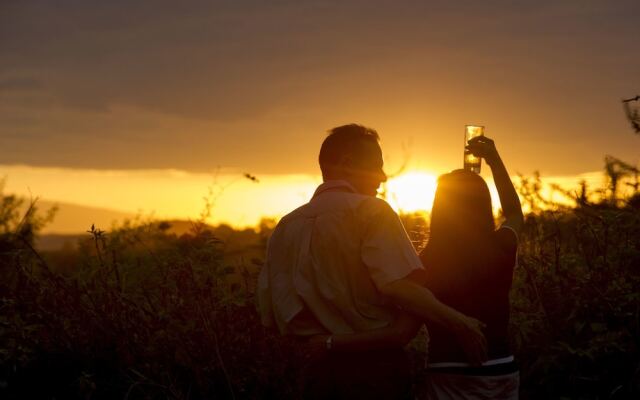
(446, 386)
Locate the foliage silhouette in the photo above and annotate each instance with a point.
(146, 313)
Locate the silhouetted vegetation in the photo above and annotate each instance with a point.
(576, 299)
(144, 311)
(632, 114)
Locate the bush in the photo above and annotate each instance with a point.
(145, 314)
(576, 303)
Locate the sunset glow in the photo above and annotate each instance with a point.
(412, 191)
(241, 202)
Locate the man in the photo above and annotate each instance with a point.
(343, 263)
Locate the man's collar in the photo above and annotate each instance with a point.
(334, 185)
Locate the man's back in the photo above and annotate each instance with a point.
(328, 264)
(327, 259)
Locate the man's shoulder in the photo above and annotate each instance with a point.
(294, 218)
(300, 212)
(290, 217)
(375, 207)
(365, 208)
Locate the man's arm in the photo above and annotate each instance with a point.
(397, 273)
(394, 336)
(419, 300)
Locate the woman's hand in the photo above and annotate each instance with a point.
(482, 146)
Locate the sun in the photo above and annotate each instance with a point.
(412, 191)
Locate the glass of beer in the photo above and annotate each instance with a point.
(471, 162)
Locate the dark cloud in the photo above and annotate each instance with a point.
(166, 84)
(20, 84)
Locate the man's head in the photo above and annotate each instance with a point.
(352, 153)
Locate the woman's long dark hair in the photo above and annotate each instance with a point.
(468, 265)
(461, 232)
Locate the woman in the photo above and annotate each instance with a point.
(469, 266)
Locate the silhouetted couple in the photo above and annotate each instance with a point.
(342, 275)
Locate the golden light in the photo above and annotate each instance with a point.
(412, 191)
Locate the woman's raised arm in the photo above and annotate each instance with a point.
(484, 147)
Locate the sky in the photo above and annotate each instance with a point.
(141, 89)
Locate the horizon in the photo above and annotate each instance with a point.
(232, 194)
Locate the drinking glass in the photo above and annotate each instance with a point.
(471, 162)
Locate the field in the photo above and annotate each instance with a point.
(146, 312)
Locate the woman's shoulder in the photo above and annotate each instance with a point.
(506, 247)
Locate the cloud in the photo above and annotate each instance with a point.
(20, 84)
(159, 84)
(227, 61)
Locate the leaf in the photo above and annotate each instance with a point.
(578, 326)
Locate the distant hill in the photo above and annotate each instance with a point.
(72, 221)
(55, 241)
(75, 219)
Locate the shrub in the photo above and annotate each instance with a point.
(145, 314)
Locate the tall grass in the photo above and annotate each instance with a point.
(144, 313)
(576, 302)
